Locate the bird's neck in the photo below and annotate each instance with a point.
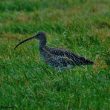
(42, 43)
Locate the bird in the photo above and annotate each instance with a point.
(56, 57)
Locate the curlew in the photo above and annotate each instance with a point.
(57, 57)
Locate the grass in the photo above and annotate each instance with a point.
(82, 26)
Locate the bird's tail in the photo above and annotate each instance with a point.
(84, 61)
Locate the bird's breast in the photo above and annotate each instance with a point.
(45, 54)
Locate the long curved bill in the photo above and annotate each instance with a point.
(24, 41)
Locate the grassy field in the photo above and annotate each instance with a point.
(26, 82)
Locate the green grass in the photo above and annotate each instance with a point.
(82, 26)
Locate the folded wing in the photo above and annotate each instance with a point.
(69, 57)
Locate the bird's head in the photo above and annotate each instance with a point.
(41, 36)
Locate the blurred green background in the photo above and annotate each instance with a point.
(82, 26)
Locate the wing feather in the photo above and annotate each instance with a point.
(76, 60)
